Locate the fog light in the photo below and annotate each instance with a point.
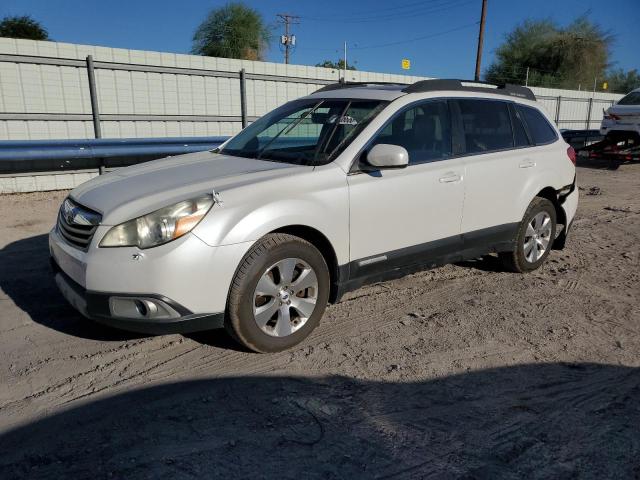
(146, 308)
(140, 307)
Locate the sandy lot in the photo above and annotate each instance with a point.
(460, 372)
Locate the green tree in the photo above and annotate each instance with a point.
(232, 31)
(623, 82)
(339, 65)
(556, 56)
(22, 27)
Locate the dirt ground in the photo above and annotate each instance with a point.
(460, 372)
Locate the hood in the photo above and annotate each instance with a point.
(137, 190)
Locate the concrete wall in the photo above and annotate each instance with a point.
(574, 106)
(36, 89)
(40, 100)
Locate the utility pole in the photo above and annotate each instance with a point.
(345, 62)
(287, 39)
(480, 40)
(526, 80)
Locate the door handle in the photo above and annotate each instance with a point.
(527, 164)
(450, 178)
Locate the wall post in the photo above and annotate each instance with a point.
(243, 98)
(95, 110)
(558, 103)
(589, 113)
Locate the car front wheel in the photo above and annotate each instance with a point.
(279, 293)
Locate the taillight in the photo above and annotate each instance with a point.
(571, 153)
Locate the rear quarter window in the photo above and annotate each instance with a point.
(519, 133)
(539, 129)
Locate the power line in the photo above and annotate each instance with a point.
(392, 16)
(424, 37)
(405, 5)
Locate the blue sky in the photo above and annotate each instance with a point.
(379, 33)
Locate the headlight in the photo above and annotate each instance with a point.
(160, 226)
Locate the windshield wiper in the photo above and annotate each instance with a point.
(288, 129)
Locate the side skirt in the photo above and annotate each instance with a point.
(398, 263)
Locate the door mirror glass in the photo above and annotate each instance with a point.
(388, 156)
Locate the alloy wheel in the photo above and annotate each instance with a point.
(537, 237)
(285, 297)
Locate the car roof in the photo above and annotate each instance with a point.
(391, 91)
(373, 92)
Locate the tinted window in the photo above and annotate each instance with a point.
(486, 125)
(539, 129)
(424, 130)
(632, 99)
(519, 133)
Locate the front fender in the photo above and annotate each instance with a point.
(317, 199)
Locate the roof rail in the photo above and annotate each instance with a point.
(339, 85)
(470, 86)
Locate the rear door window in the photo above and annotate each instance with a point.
(486, 125)
(539, 129)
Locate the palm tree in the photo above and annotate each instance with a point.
(232, 31)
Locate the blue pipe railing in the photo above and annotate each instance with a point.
(55, 155)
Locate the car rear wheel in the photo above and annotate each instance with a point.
(534, 239)
(279, 293)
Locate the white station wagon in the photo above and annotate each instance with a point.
(354, 184)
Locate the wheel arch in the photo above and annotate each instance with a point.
(319, 240)
(551, 194)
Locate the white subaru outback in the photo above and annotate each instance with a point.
(356, 183)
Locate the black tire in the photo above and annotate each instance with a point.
(239, 318)
(516, 260)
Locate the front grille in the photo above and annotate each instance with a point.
(77, 224)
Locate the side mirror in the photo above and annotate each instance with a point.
(384, 156)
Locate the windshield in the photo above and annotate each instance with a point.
(305, 132)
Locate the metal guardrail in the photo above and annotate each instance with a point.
(57, 155)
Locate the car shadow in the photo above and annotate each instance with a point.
(599, 163)
(527, 421)
(217, 338)
(26, 277)
(486, 263)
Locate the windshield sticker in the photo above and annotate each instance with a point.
(344, 120)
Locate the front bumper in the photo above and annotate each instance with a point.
(95, 306)
(187, 276)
